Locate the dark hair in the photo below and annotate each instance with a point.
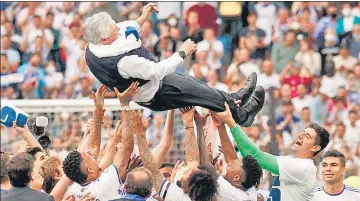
(49, 14)
(322, 136)
(203, 184)
(33, 151)
(352, 112)
(253, 172)
(164, 165)
(137, 186)
(335, 153)
(19, 169)
(4, 160)
(305, 108)
(72, 167)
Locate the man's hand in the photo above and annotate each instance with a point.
(225, 117)
(201, 119)
(188, 115)
(176, 168)
(20, 129)
(116, 135)
(98, 97)
(37, 182)
(126, 96)
(24, 146)
(139, 127)
(188, 47)
(148, 9)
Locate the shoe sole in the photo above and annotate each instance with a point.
(250, 121)
(252, 86)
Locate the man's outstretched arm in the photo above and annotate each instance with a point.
(145, 153)
(266, 160)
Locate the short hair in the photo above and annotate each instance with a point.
(322, 136)
(19, 169)
(203, 184)
(96, 27)
(305, 108)
(4, 160)
(72, 167)
(352, 112)
(48, 171)
(33, 151)
(137, 186)
(335, 153)
(253, 172)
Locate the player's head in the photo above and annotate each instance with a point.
(51, 170)
(4, 175)
(311, 141)
(246, 172)
(100, 28)
(200, 184)
(80, 167)
(38, 154)
(333, 166)
(139, 182)
(166, 169)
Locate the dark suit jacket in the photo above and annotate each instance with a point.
(25, 194)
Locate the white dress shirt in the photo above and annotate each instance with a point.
(134, 66)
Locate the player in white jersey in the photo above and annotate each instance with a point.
(102, 179)
(334, 189)
(297, 173)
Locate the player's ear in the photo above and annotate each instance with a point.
(315, 148)
(237, 178)
(90, 170)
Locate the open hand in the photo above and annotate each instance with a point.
(188, 114)
(20, 129)
(139, 127)
(126, 96)
(98, 97)
(224, 116)
(116, 135)
(147, 10)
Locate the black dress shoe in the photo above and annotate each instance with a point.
(245, 93)
(253, 106)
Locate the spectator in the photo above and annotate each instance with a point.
(34, 77)
(54, 52)
(193, 29)
(38, 154)
(324, 23)
(165, 44)
(4, 178)
(148, 37)
(319, 106)
(287, 120)
(156, 130)
(339, 111)
(53, 79)
(302, 100)
(332, 81)
(57, 148)
(291, 75)
(64, 18)
(12, 54)
(213, 81)
(245, 67)
(285, 92)
(24, 19)
(305, 121)
(308, 58)
(345, 24)
(16, 39)
(328, 48)
(253, 38)
(20, 170)
(299, 8)
(266, 12)
(230, 13)
(352, 129)
(207, 16)
(282, 53)
(344, 61)
(353, 41)
(338, 136)
(306, 25)
(268, 78)
(168, 9)
(281, 25)
(214, 48)
(351, 167)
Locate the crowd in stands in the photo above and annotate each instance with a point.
(306, 56)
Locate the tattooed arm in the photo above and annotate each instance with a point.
(204, 155)
(192, 155)
(160, 151)
(145, 153)
(94, 137)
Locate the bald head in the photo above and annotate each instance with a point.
(139, 182)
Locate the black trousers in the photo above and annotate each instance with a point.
(178, 91)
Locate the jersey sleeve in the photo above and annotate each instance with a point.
(292, 169)
(171, 192)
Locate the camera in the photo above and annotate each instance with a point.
(37, 127)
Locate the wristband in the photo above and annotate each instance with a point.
(189, 127)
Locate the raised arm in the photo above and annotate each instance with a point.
(94, 137)
(204, 155)
(266, 160)
(145, 153)
(147, 10)
(28, 136)
(192, 154)
(123, 157)
(228, 149)
(160, 151)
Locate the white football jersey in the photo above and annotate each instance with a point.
(347, 194)
(106, 188)
(227, 192)
(296, 182)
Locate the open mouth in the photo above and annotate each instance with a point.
(298, 143)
